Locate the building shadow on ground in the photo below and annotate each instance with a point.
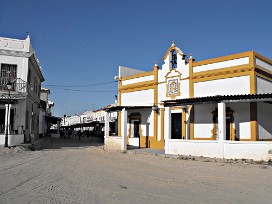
(66, 143)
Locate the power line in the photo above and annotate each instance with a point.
(80, 90)
(83, 85)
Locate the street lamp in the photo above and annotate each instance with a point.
(9, 86)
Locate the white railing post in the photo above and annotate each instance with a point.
(221, 121)
(222, 127)
(167, 128)
(124, 130)
(107, 126)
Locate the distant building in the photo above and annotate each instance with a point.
(92, 121)
(21, 68)
(47, 120)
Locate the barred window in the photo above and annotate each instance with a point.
(8, 73)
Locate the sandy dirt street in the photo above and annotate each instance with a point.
(72, 171)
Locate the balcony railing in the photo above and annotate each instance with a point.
(18, 85)
(12, 130)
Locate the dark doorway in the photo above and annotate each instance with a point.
(176, 125)
(227, 128)
(2, 119)
(136, 129)
(228, 122)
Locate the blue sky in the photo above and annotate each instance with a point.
(82, 42)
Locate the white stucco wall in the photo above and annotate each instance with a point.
(203, 120)
(263, 64)
(241, 114)
(205, 148)
(203, 117)
(133, 142)
(13, 140)
(264, 117)
(248, 150)
(228, 86)
(224, 64)
(14, 44)
(263, 86)
(138, 79)
(147, 121)
(226, 149)
(113, 143)
(21, 62)
(184, 91)
(138, 98)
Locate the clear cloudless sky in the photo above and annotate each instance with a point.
(81, 43)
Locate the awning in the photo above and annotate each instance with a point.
(119, 108)
(220, 98)
(52, 119)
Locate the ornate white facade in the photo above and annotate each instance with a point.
(197, 108)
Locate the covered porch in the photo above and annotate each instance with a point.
(131, 125)
(231, 127)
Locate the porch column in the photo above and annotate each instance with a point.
(124, 130)
(7, 118)
(58, 127)
(221, 121)
(107, 126)
(167, 129)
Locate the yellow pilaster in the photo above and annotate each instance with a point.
(162, 124)
(191, 73)
(191, 109)
(183, 125)
(253, 121)
(191, 95)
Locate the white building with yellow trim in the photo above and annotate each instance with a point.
(220, 107)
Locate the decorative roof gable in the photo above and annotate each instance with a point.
(171, 48)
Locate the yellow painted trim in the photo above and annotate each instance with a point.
(264, 77)
(191, 75)
(174, 95)
(264, 70)
(223, 58)
(183, 124)
(222, 71)
(162, 124)
(191, 109)
(172, 47)
(153, 141)
(138, 84)
(253, 83)
(200, 138)
(176, 108)
(138, 89)
(253, 121)
(119, 123)
(182, 79)
(269, 61)
(222, 76)
(251, 59)
(176, 72)
(137, 75)
(245, 140)
(119, 93)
